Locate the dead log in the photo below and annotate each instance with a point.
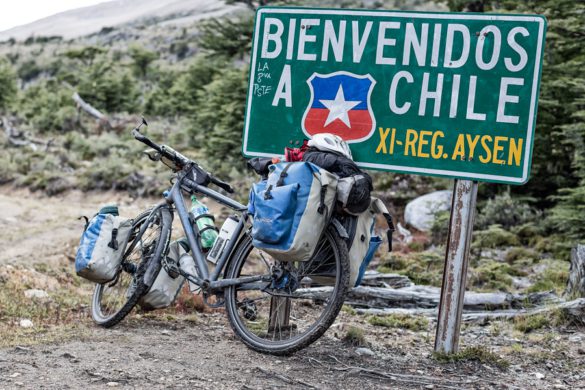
(576, 283)
(428, 297)
(92, 111)
(377, 279)
(19, 138)
(573, 312)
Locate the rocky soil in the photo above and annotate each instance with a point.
(179, 349)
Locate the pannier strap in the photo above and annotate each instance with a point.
(390, 230)
(380, 208)
(280, 182)
(113, 243)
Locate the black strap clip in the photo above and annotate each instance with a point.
(113, 243)
(390, 230)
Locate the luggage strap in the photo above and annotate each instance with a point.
(113, 243)
(380, 208)
(279, 183)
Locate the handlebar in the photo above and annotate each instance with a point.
(179, 159)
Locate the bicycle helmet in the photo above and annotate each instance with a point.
(327, 142)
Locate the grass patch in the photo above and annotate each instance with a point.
(421, 267)
(554, 277)
(63, 315)
(527, 324)
(494, 237)
(349, 310)
(355, 337)
(403, 321)
(477, 353)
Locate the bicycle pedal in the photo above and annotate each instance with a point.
(172, 268)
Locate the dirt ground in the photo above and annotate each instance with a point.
(199, 350)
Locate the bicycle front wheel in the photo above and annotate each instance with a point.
(297, 306)
(148, 241)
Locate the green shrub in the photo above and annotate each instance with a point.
(528, 323)
(554, 277)
(505, 211)
(7, 84)
(493, 237)
(403, 321)
(355, 337)
(520, 253)
(492, 275)
(477, 353)
(421, 267)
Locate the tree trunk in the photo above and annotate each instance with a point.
(576, 283)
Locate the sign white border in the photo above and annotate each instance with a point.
(404, 15)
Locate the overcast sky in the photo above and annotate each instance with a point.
(17, 12)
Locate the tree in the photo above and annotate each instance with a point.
(7, 84)
(142, 59)
(226, 37)
(220, 120)
(86, 54)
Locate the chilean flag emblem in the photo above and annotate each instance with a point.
(340, 104)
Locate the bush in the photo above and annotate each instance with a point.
(526, 324)
(554, 277)
(495, 236)
(48, 107)
(7, 84)
(491, 275)
(421, 267)
(403, 321)
(505, 211)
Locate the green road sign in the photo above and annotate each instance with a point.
(447, 94)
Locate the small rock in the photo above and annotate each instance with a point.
(581, 351)
(538, 375)
(429, 386)
(36, 294)
(20, 349)
(559, 386)
(575, 338)
(112, 384)
(67, 355)
(26, 323)
(364, 352)
(165, 332)
(15, 375)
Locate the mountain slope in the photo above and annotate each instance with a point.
(87, 20)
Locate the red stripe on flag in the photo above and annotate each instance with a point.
(360, 122)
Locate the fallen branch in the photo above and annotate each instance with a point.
(377, 279)
(92, 111)
(427, 297)
(285, 378)
(19, 138)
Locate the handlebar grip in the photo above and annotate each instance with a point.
(145, 140)
(221, 184)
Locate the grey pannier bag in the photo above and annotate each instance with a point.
(102, 246)
(165, 289)
(363, 243)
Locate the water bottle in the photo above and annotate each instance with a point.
(205, 224)
(225, 236)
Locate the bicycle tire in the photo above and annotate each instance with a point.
(160, 247)
(287, 347)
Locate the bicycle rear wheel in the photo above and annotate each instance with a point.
(148, 241)
(297, 306)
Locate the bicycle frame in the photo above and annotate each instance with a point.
(206, 280)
